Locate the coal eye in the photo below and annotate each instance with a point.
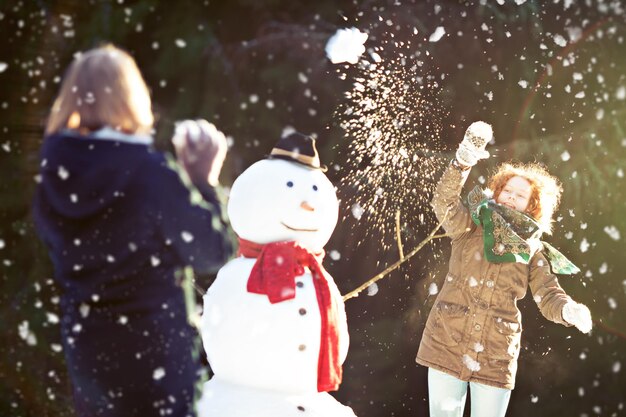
(315, 188)
(289, 184)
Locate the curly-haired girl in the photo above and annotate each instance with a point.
(472, 335)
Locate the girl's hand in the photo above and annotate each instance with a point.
(578, 315)
(472, 148)
(200, 149)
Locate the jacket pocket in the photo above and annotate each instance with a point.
(447, 323)
(504, 339)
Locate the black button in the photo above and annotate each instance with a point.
(300, 408)
(302, 311)
(299, 284)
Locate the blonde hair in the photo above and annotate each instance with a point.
(102, 87)
(546, 189)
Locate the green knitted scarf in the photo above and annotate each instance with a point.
(512, 236)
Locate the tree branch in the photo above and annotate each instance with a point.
(395, 265)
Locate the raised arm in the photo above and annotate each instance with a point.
(193, 220)
(446, 201)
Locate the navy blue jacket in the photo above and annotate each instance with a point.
(120, 224)
(118, 221)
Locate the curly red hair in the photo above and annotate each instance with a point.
(546, 189)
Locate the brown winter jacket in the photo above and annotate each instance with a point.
(474, 328)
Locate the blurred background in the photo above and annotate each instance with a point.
(548, 75)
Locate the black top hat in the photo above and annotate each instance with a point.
(299, 148)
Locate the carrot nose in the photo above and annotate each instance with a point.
(305, 205)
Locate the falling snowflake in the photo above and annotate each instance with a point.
(26, 334)
(63, 173)
(612, 232)
(52, 318)
(158, 374)
(334, 255)
(612, 303)
(187, 237)
(437, 34)
(357, 211)
(372, 289)
(433, 289)
(584, 245)
(560, 40)
(375, 57)
(600, 114)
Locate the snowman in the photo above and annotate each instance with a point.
(274, 325)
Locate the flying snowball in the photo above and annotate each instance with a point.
(346, 45)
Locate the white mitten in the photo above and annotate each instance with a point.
(472, 148)
(578, 315)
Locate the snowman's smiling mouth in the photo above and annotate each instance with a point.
(298, 230)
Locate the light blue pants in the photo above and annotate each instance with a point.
(447, 397)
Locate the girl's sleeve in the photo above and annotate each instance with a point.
(193, 220)
(447, 204)
(547, 292)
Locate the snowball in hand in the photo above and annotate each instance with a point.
(346, 45)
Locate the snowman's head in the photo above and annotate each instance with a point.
(277, 200)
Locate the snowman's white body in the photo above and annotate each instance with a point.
(264, 355)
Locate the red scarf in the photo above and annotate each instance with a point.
(274, 274)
